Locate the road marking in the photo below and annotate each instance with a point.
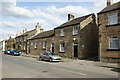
(70, 71)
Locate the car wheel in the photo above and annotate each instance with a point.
(40, 59)
(51, 60)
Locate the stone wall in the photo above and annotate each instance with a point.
(39, 49)
(87, 40)
(104, 32)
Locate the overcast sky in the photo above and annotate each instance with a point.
(17, 15)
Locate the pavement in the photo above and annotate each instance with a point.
(81, 62)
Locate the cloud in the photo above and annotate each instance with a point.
(48, 17)
(10, 9)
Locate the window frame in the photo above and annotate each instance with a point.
(62, 32)
(44, 44)
(25, 38)
(112, 15)
(74, 30)
(109, 41)
(36, 44)
(61, 47)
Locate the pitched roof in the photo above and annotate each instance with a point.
(43, 35)
(74, 21)
(24, 34)
(115, 6)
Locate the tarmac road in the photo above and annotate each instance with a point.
(24, 67)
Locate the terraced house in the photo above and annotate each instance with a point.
(76, 38)
(42, 42)
(21, 40)
(10, 43)
(109, 32)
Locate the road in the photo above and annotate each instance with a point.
(25, 67)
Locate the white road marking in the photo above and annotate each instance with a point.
(70, 71)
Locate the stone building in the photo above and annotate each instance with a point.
(109, 32)
(77, 38)
(42, 42)
(21, 40)
(10, 43)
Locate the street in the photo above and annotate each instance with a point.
(24, 67)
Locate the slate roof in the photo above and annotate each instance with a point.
(74, 21)
(115, 6)
(25, 34)
(43, 35)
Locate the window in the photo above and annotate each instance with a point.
(113, 42)
(17, 39)
(44, 44)
(25, 38)
(112, 19)
(24, 47)
(36, 43)
(62, 32)
(31, 44)
(62, 47)
(75, 30)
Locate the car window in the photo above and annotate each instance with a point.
(45, 53)
(50, 53)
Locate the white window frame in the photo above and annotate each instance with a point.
(17, 39)
(36, 43)
(75, 32)
(25, 38)
(44, 44)
(61, 45)
(112, 18)
(62, 32)
(110, 38)
(24, 47)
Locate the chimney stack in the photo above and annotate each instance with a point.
(25, 30)
(70, 16)
(109, 2)
(38, 29)
(16, 34)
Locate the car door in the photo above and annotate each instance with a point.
(47, 56)
(44, 55)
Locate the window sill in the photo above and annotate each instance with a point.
(35, 48)
(75, 34)
(44, 49)
(113, 25)
(61, 36)
(113, 49)
(62, 52)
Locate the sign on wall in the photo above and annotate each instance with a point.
(31, 44)
(40, 43)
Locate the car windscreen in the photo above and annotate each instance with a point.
(50, 53)
(14, 50)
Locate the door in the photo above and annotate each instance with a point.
(75, 50)
(52, 48)
(28, 49)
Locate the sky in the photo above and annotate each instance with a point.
(16, 15)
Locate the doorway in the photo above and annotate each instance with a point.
(52, 47)
(75, 50)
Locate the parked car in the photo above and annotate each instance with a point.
(49, 56)
(7, 51)
(15, 53)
